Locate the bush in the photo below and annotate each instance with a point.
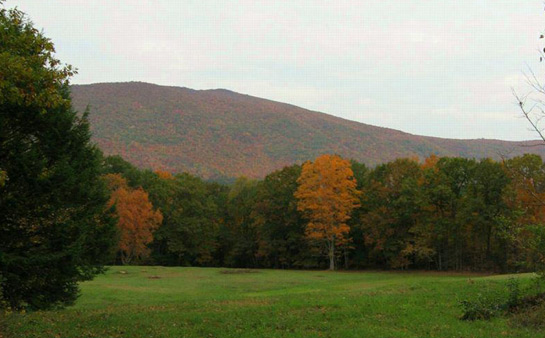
(490, 304)
(534, 244)
(526, 304)
(513, 289)
(484, 306)
(530, 312)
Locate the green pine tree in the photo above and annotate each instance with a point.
(54, 231)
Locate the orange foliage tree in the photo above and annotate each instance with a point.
(326, 195)
(137, 219)
(527, 175)
(165, 175)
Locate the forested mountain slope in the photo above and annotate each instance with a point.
(219, 134)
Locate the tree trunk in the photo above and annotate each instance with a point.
(332, 255)
(125, 258)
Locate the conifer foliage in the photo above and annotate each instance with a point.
(53, 228)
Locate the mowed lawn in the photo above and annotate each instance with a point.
(213, 302)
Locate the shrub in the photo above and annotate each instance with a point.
(513, 289)
(516, 300)
(530, 312)
(484, 306)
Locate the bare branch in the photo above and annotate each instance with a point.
(522, 103)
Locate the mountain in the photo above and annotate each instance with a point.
(220, 134)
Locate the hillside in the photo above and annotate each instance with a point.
(220, 134)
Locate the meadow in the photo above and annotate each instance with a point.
(146, 301)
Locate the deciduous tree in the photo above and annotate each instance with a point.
(190, 226)
(280, 228)
(391, 212)
(327, 195)
(238, 236)
(136, 218)
(527, 175)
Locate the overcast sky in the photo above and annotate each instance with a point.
(439, 68)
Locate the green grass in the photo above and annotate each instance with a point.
(204, 302)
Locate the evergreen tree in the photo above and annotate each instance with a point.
(54, 231)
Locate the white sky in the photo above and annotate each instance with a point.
(440, 68)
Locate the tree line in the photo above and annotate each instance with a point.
(438, 214)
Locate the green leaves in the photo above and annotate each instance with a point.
(31, 75)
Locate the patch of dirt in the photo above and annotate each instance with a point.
(154, 277)
(247, 302)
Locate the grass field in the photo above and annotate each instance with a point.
(209, 302)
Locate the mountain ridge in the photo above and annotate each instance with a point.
(218, 133)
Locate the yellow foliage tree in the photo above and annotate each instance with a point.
(165, 175)
(137, 219)
(326, 195)
(3, 177)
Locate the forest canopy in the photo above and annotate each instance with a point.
(440, 214)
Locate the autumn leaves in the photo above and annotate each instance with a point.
(136, 218)
(442, 213)
(327, 195)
